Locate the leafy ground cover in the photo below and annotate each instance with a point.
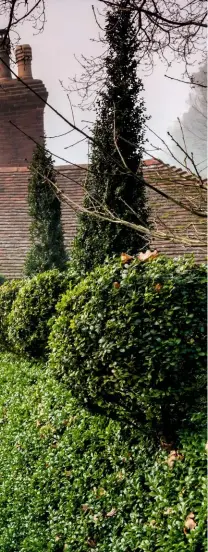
(71, 481)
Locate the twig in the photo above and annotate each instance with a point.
(187, 82)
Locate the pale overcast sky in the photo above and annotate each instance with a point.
(70, 26)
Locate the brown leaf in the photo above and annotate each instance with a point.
(72, 419)
(189, 524)
(206, 446)
(116, 285)
(91, 543)
(173, 456)
(38, 423)
(158, 287)
(125, 258)
(96, 517)
(85, 507)
(120, 476)
(111, 513)
(69, 421)
(168, 511)
(57, 538)
(148, 255)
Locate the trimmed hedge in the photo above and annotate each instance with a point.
(2, 279)
(130, 341)
(28, 322)
(73, 482)
(8, 292)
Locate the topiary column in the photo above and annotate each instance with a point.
(118, 141)
(47, 249)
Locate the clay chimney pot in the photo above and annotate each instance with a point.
(23, 54)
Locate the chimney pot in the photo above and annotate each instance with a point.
(5, 72)
(23, 54)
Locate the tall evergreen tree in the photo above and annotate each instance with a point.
(120, 120)
(47, 249)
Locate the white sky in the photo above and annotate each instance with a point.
(69, 28)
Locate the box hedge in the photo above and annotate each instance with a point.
(2, 279)
(73, 482)
(8, 292)
(130, 341)
(28, 322)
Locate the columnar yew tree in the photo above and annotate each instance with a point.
(47, 244)
(118, 141)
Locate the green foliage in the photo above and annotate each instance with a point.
(47, 243)
(2, 279)
(63, 471)
(138, 351)
(8, 292)
(120, 112)
(32, 309)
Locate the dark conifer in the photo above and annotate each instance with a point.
(47, 249)
(118, 135)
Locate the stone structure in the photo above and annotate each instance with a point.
(25, 109)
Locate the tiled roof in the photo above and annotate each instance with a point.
(166, 215)
(14, 220)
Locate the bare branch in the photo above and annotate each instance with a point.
(174, 30)
(34, 11)
(169, 236)
(75, 143)
(190, 157)
(122, 166)
(190, 82)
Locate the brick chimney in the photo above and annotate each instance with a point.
(19, 105)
